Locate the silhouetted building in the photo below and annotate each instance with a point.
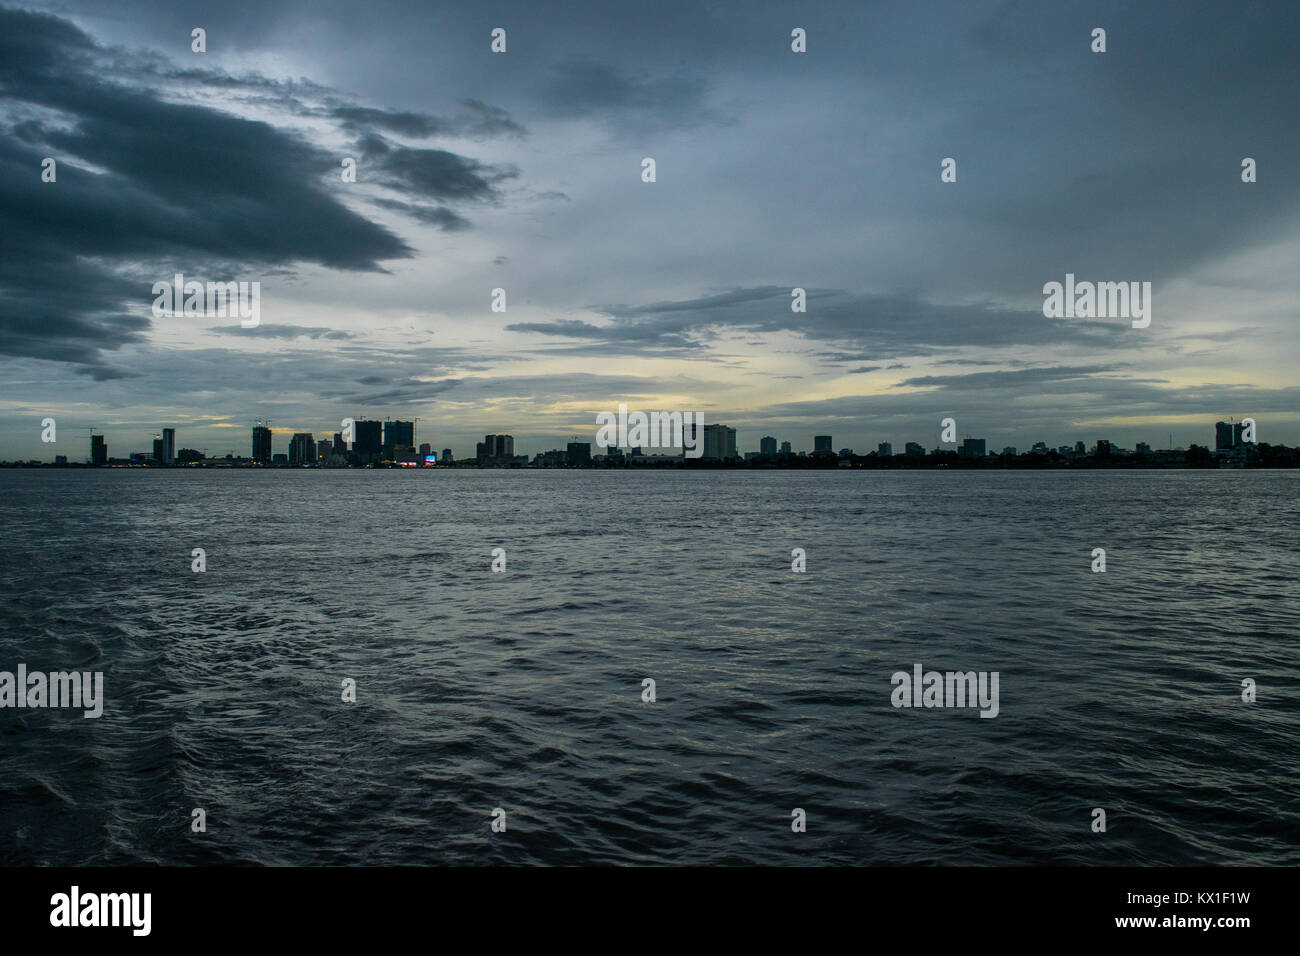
(719, 442)
(884, 450)
(367, 440)
(1227, 435)
(785, 448)
(425, 449)
(767, 445)
(446, 455)
(98, 450)
(302, 449)
(280, 458)
(324, 448)
(821, 443)
(398, 435)
(973, 448)
(158, 451)
(262, 444)
(340, 446)
(1080, 448)
(1143, 448)
(1009, 452)
(169, 446)
(914, 450)
(579, 453)
(1103, 448)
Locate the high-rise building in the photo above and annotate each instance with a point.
(98, 450)
(340, 446)
(324, 448)
(785, 448)
(1143, 448)
(446, 455)
(973, 448)
(425, 449)
(1080, 448)
(398, 434)
(914, 450)
(884, 450)
(489, 448)
(1009, 452)
(481, 451)
(169, 446)
(1222, 436)
(302, 449)
(505, 446)
(158, 450)
(767, 445)
(719, 442)
(367, 440)
(821, 443)
(1103, 448)
(262, 444)
(579, 452)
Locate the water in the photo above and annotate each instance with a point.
(522, 690)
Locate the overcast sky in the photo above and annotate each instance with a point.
(522, 170)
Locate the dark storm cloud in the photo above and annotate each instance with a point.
(477, 120)
(880, 326)
(145, 186)
(432, 173)
(439, 216)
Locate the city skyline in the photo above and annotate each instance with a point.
(776, 172)
(395, 440)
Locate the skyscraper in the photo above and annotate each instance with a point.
(767, 445)
(822, 443)
(340, 446)
(158, 450)
(398, 434)
(973, 448)
(579, 452)
(169, 446)
(302, 449)
(446, 455)
(1223, 437)
(884, 450)
(98, 450)
(367, 440)
(785, 448)
(719, 442)
(262, 444)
